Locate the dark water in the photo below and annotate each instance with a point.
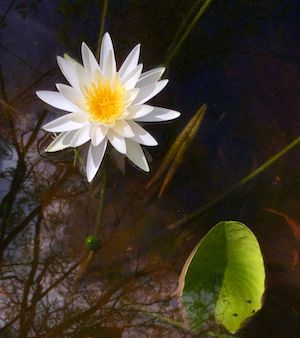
(243, 60)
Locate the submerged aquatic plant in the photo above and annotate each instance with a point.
(105, 105)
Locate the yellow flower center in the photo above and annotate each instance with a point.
(105, 101)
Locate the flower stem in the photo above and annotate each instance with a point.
(101, 27)
(188, 30)
(101, 201)
(204, 209)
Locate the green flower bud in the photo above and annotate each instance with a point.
(92, 242)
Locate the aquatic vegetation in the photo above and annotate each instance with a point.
(177, 151)
(105, 104)
(104, 259)
(224, 275)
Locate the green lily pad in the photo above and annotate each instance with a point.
(224, 278)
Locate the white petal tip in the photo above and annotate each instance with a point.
(51, 150)
(43, 127)
(90, 175)
(151, 142)
(144, 167)
(84, 46)
(106, 36)
(122, 151)
(176, 114)
(49, 130)
(162, 70)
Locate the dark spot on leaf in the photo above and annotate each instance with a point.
(249, 301)
(235, 314)
(253, 311)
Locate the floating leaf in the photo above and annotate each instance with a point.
(223, 276)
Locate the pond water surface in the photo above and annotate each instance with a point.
(242, 59)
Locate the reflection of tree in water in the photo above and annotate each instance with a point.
(50, 286)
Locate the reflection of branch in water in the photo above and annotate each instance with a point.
(40, 295)
(19, 58)
(47, 199)
(20, 171)
(9, 111)
(35, 131)
(84, 315)
(33, 85)
(17, 180)
(3, 17)
(110, 302)
(2, 85)
(25, 320)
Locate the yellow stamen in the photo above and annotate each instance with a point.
(105, 101)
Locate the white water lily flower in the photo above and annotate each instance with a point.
(105, 105)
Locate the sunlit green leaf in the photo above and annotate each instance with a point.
(224, 276)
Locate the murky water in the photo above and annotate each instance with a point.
(242, 59)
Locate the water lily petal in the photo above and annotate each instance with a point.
(72, 95)
(72, 121)
(62, 141)
(106, 49)
(158, 115)
(130, 96)
(141, 135)
(94, 159)
(138, 110)
(147, 92)
(117, 141)
(81, 136)
(57, 100)
(84, 78)
(123, 128)
(109, 70)
(150, 76)
(89, 61)
(69, 71)
(130, 62)
(136, 155)
(97, 134)
(130, 80)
